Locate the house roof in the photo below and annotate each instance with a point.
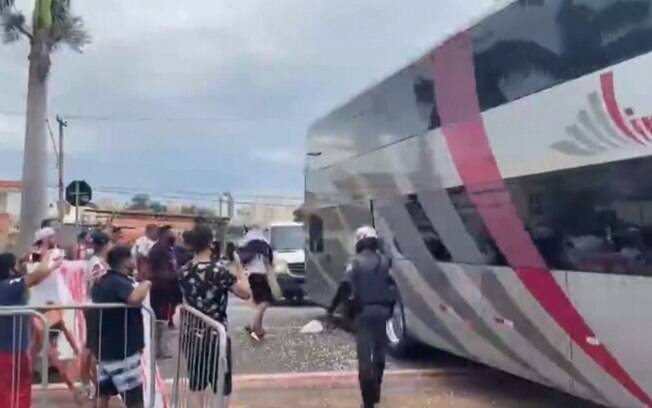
(11, 186)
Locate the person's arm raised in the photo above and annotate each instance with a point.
(139, 294)
(43, 270)
(241, 287)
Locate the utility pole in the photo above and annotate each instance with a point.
(62, 204)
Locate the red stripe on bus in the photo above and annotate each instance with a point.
(638, 128)
(647, 122)
(609, 97)
(466, 136)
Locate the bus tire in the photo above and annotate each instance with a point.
(400, 342)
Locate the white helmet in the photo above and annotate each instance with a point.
(365, 232)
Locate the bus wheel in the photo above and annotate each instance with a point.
(400, 343)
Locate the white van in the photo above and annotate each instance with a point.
(288, 241)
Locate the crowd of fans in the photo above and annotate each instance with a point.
(162, 266)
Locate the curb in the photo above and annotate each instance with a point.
(332, 378)
(311, 379)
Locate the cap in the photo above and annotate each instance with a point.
(44, 233)
(100, 238)
(365, 232)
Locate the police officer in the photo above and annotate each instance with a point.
(373, 295)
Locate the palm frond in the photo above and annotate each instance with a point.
(6, 5)
(13, 25)
(67, 28)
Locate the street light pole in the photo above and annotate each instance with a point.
(61, 207)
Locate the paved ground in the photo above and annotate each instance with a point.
(283, 371)
(285, 350)
(456, 382)
(472, 389)
(462, 389)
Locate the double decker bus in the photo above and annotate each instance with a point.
(508, 173)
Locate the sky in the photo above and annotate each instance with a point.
(206, 96)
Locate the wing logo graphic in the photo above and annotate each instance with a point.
(605, 126)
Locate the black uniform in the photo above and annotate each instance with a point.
(374, 295)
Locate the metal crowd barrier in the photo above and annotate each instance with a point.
(49, 353)
(22, 319)
(202, 361)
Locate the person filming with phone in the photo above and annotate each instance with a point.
(15, 376)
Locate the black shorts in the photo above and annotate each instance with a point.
(92, 330)
(164, 298)
(260, 289)
(201, 352)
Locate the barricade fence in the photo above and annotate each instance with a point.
(109, 353)
(16, 357)
(203, 362)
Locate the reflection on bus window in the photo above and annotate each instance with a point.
(534, 45)
(594, 219)
(476, 228)
(426, 229)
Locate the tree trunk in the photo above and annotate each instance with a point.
(34, 202)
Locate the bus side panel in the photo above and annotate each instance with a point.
(617, 307)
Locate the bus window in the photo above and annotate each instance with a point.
(428, 233)
(316, 234)
(533, 45)
(476, 228)
(592, 219)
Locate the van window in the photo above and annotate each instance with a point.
(287, 237)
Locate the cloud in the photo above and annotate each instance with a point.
(282, 156)
(174, 93)
(12, 131)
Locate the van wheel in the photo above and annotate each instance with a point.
(400, 343)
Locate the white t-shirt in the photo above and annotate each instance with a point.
(96, 269)
(258, 265)
(53, 289)
(141, 247)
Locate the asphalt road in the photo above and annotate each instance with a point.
(286, 350)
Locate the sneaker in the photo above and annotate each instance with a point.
(252, 333)
(87, 392)
(255, 336)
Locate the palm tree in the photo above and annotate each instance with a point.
(52, 24)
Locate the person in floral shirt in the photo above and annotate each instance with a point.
(205, 285)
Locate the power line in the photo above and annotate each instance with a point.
(203, 193)
(128, 193)
(191, 199)
(54, 144)
(123, 119)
